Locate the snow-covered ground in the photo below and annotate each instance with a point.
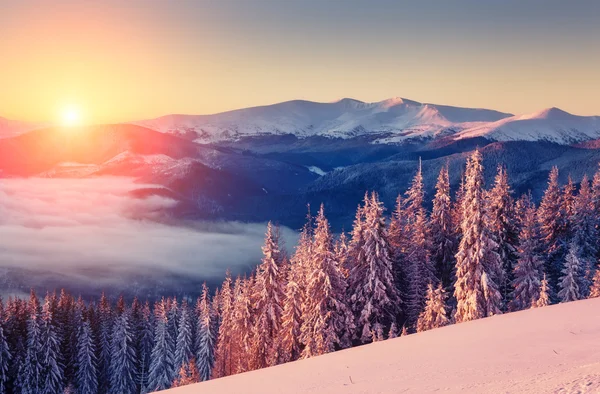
(554, 349)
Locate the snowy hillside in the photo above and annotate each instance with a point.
(552, 124)
(346, 118)
(11, 128)
(553, 349)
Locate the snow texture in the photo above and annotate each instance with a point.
(553, 349)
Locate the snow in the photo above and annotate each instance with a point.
(11, 128)
(316, 170)
(551, 124)
(553, 349)
(345, 118)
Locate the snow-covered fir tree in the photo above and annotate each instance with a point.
(188, 374)
(476, 293)
(553, 228)
(373, 294)
(205, 338)
(52, 367)
(123, 358)
(291, 318)
(184, 346)
(569, 281)
(105, 317)
(434, 315)
(544, 298)
(243, 326)
(268, 296)
(327, 321)
(443, 233)
(595, 288)
(500, 211)
(585, 234)
(5, 355)
(145, 343)
(222, 364)
(529, 269)
(86, 375)
(162, 364)
(31, 372)
(419, 268)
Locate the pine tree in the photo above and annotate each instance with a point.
(544, 298)
(553, 228)
(5, 357)
(595, 288)
(31, 372)
(86, 372)
(106, 317)
(374, 298)
(162, 365)
(503, 227)
(188, 374)
(269, 300)
(568, 284)
(476, 293)
(291, 319)
(585, 235)
(529, 269)
(222, 366)
(205, 340)
(123, 360)
(393, 333)
(50, 351)
(184, 351)
(243, 326)
(419, 269)
(327, 321)
(434, 315)
(145, 344)
(443, 234)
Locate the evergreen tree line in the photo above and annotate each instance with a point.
(478, 254)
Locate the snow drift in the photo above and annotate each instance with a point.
(547, 350)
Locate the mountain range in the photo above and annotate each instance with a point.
(268, 162)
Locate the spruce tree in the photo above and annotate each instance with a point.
(268, 295)
(476, 293)
(30, 378)
(162, 365)
(243, 327)
(222, 366)
(443, 234)
(188, 374)
(529, 269)
(86, 375)
(105, 315)
(553, 228)
(434, 315)
(184, 349)
(503, 227)
(544, 298)
(569, 282)
(145, 344)
(585, 235)
(123, 357)
(328, 323)
(52, 367)
(374, 298)
(595, 288)
(205, 340)
(291, 319)
(5, 358)
(419, 267)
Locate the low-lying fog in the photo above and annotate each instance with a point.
(90, 235)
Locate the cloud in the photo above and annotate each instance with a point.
(92, 234)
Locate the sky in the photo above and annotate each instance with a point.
(117, 60)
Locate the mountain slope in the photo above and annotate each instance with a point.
(11, 128)
(552, 124)
(344, 119)
(547, 350)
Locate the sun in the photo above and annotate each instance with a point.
(70, 117)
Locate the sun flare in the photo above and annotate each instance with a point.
(71, 117)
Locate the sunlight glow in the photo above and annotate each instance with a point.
(71, 117)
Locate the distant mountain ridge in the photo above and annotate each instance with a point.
(395, 119)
